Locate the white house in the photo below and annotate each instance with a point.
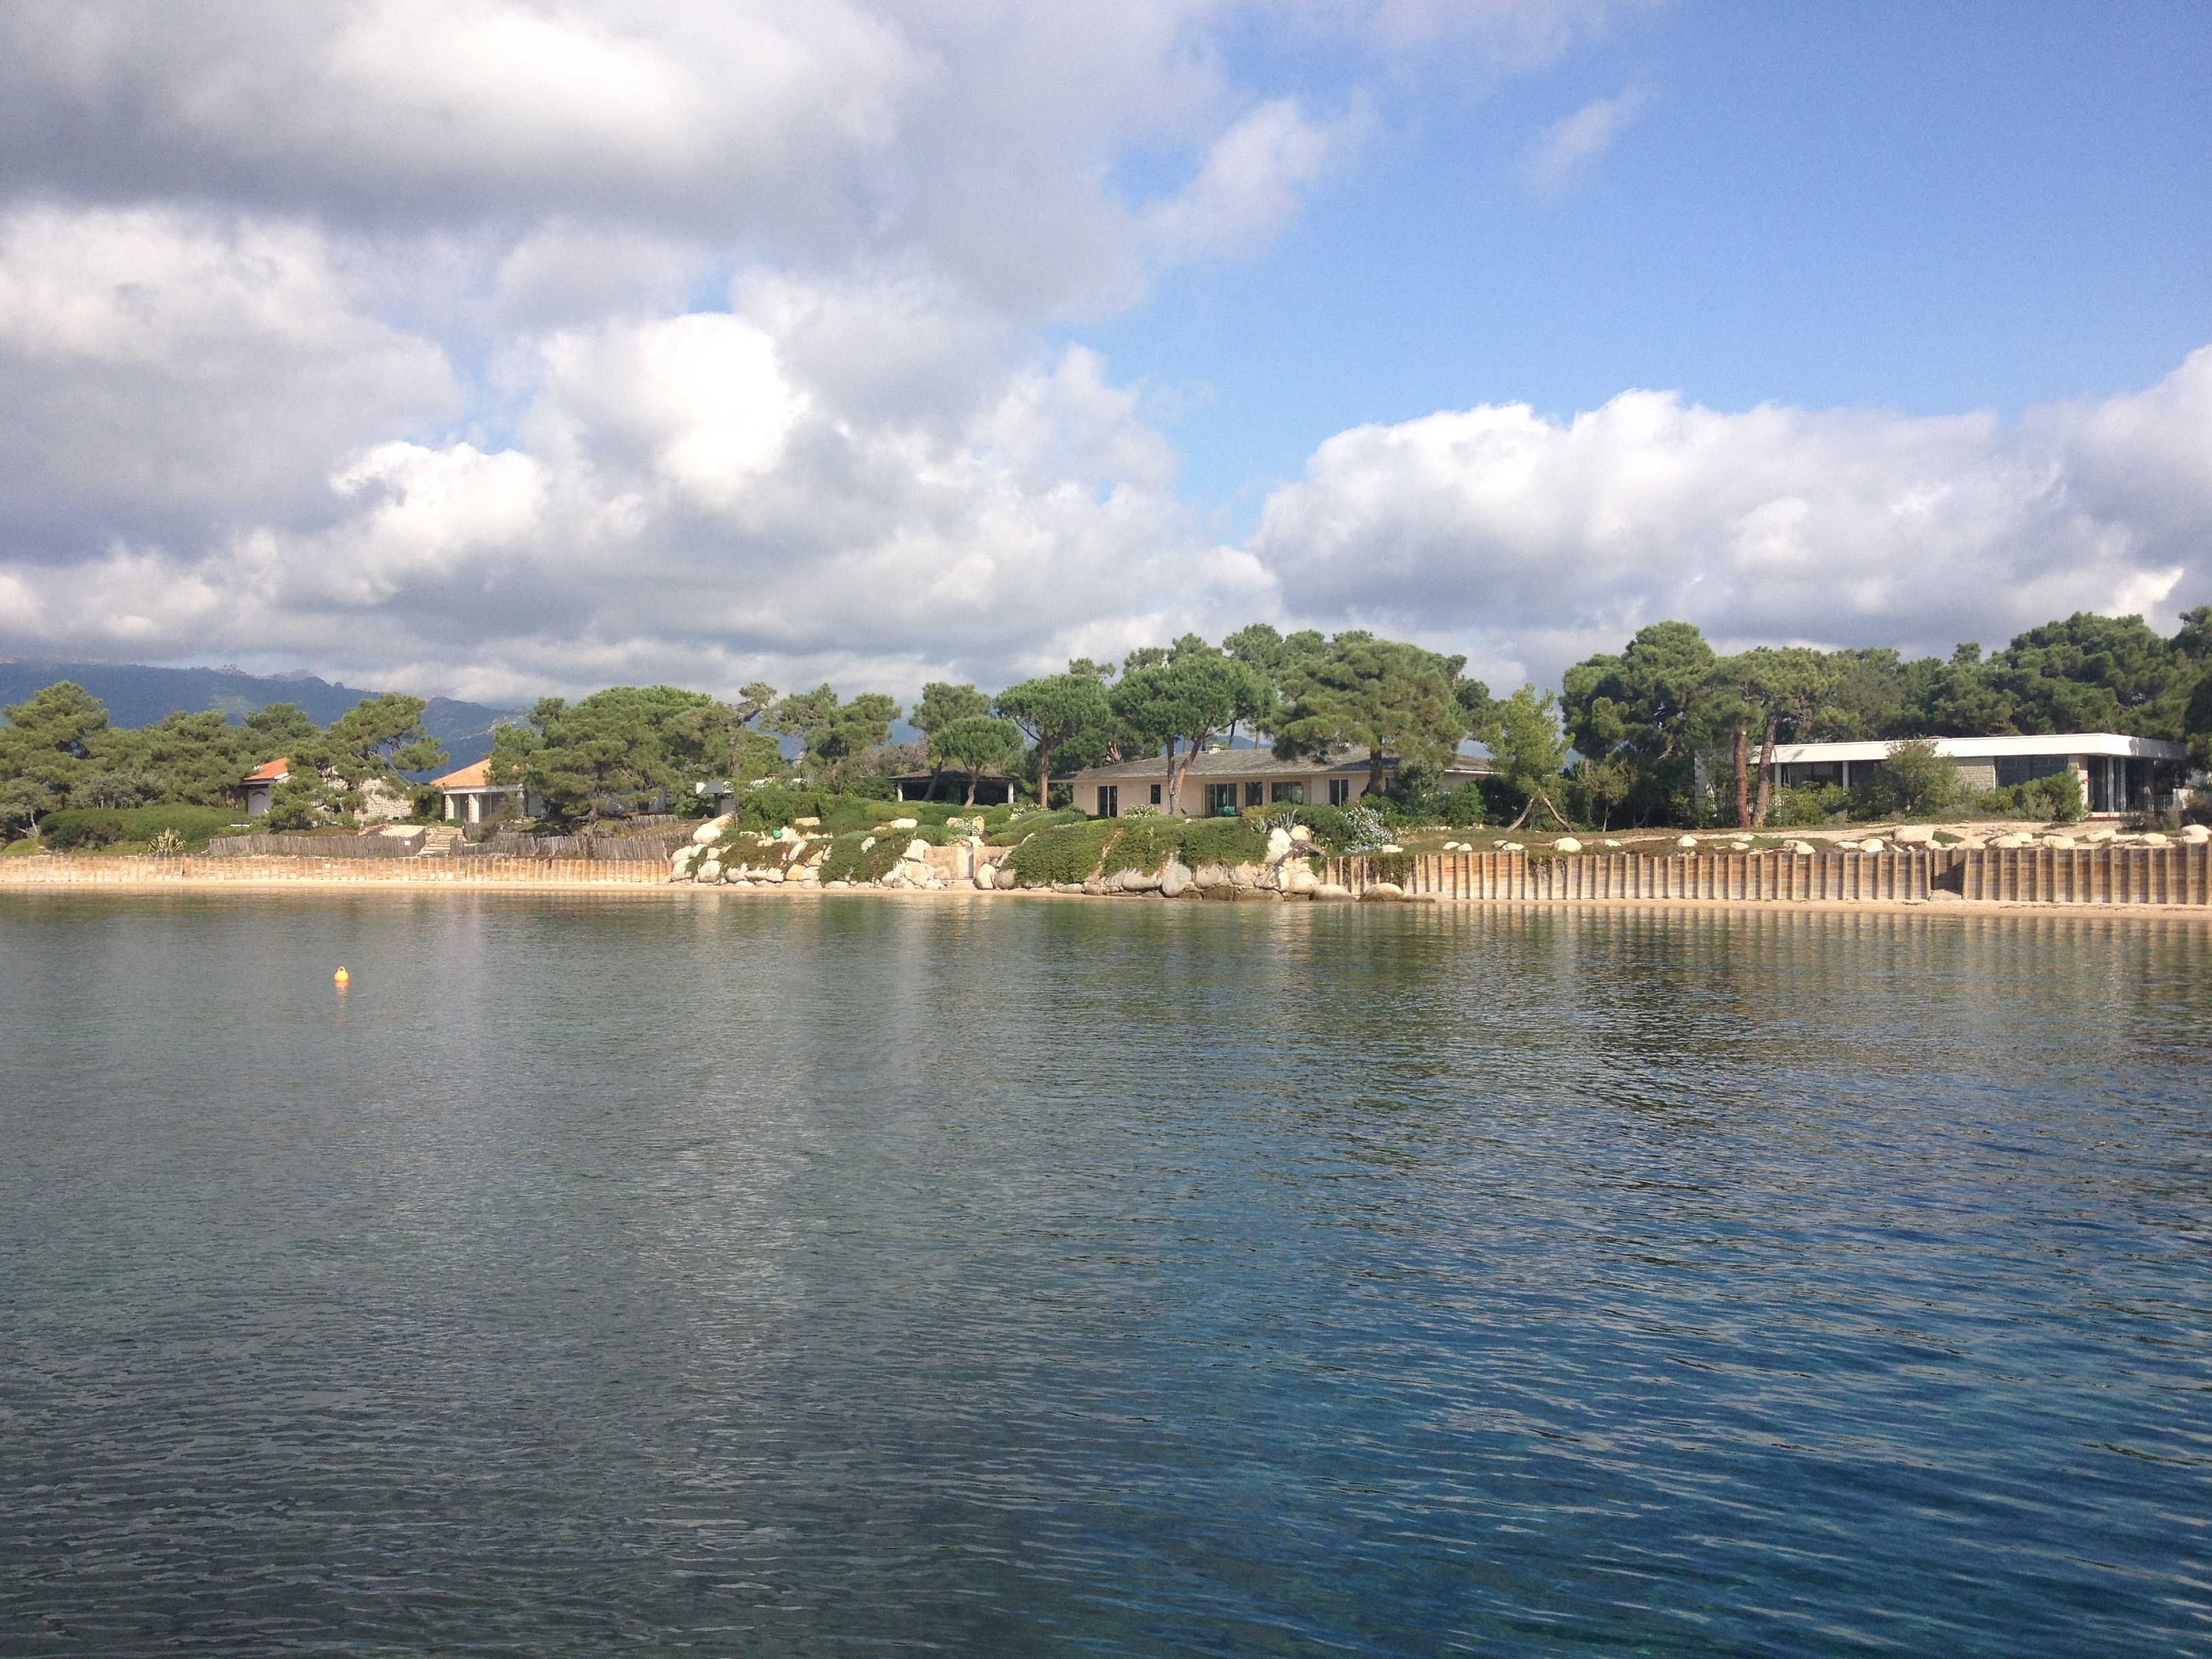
(473, 798)
(259, 785)
(2117, 774)
(1226, 780)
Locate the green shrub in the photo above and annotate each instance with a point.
(1806, 806)
(1068, 852)
(2055, 799)
(847, 860)
(1223, 841)
(1145, 843)
(1390, 866)
(92, 827)
(1018, 829)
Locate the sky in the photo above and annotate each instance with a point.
(495, 349)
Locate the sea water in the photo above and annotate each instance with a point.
(742, 1274)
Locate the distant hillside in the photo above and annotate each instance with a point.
(137, 695)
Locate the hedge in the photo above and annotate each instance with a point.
(107, 827)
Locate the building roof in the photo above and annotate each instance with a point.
(1239, 764)
(477, 775)
(2055, 743)
(274, 771)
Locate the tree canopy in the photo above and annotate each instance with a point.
(1058, 713)
(1394, 699)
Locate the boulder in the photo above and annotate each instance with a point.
(1279, 846)
(1610, 843)
(2062, 842)
(1915, 835)
(1140, 881)
(1800, 848)
(985, 876)
(1301, 834)
(1687, 841)
(1175, 878)
(771, 876)
(1511, 846)
(710, 871)
(807, 872)
(1566, 844)
(1383, 892)
(1329, 892)
(712, 830)
(903, 823)
(1298, 879)
(808, 823)
(2097, 835)
(1210, 875)
(1244, 875)
(2154, 839)
(684, 857)
(840, 883)
(1871, 844)
(916, 849)
(1094, 887)
(2195, 834)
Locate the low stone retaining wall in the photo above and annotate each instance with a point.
(61, 871)
(2045, 875)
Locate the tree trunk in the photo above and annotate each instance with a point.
(1178, 768)
(1742, 779)
(1375, 770)
(1765, 774)
(972, 779)
(1044, 778)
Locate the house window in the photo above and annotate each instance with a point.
(1255, 794)
(1156, 794)
(1220, 800)
(1110, 801)
(1293, 794)
(1340, 791)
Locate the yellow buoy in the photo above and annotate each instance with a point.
(342, 978)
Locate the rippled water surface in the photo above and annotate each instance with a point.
(742, 1275)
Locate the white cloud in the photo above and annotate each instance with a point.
(1251, 186)
(1538, 539)
(1566, 152)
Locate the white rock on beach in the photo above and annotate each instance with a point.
(711, 830)
(903, 823)
(916, 849)
(1915, 835)
(1687, 841)
(1279, 846)
(1566, 844)
(1299, 880)
(710, 871)
(1329, 892)
(2195, 834)
(1382, 892)
(1175, 877)
(984, 876)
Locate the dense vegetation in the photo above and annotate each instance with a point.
(1668, 731)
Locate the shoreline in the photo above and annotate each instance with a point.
(86, 878)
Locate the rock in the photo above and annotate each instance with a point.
(684, 857)
(808, 823)
(917, 850)
(1382, 892)
(1739, 847)
(1801, 848)
(1972, 844)
(1611, 843)
(1511, 846)
(2154, 839)
(712, 830)
(1279, 846)
(841, 883)
(1871, 844)
(1140, 881)
(2196, 835)
(1210, 875)
(1094, 888)
(1175, 878)
(1301, 834)
(1391, 847)
(866, 841)
(895, 880)
(2014, 840)
(711, 871)
(1244, 875)
(903, 823)
(2060, 841)
(1943, 895)
(2097, 835)
(1298, 879)
(1915, 835)
(1687, 841)
(771, 876)
(1566, 844)
(1329, 892)
(806, 873)
(984, 876)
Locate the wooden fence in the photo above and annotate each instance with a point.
(2048, 875)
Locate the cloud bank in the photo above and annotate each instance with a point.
(495, 349)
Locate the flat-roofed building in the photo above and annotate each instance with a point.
(1222, 782)
(2118, 773)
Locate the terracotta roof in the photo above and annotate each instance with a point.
(477, 775)
(1261, 763)
(275, 772)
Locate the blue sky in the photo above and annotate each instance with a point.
(497, 347)
(1932, 209)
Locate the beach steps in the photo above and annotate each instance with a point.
(439, 841)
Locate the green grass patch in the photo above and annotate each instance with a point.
(847, 860)
(1066, 851)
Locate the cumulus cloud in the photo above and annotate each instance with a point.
(1566, 152)
(1541, 538)
(497, 347)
